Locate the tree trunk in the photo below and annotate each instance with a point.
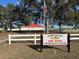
(10, 27)
(60, 26)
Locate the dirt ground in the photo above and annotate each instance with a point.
(27, 50)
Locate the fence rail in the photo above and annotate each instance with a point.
(34, 37)
(74, 36)
(20, 37)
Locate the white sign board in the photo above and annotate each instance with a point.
(54, 39)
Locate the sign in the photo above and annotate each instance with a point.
(55, 39)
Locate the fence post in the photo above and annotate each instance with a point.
(68, 46)
(41, 44)
(35, 39)
(9, 39)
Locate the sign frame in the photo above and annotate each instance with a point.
(55, 39)
(68, 42)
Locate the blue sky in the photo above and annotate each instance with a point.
(77, 7)
(5, 2)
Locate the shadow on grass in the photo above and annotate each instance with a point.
(38, 48)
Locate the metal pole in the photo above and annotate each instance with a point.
(44, 17)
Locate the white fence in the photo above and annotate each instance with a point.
(34, 37)
(24, 37)
(74, 36)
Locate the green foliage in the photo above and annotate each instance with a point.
(57, 12)
(0, 17)
(27, 20)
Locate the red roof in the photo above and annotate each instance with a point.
(33, 25)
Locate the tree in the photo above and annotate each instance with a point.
(2, 19)
(10, 15)
(30, 8)
(61, 11)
